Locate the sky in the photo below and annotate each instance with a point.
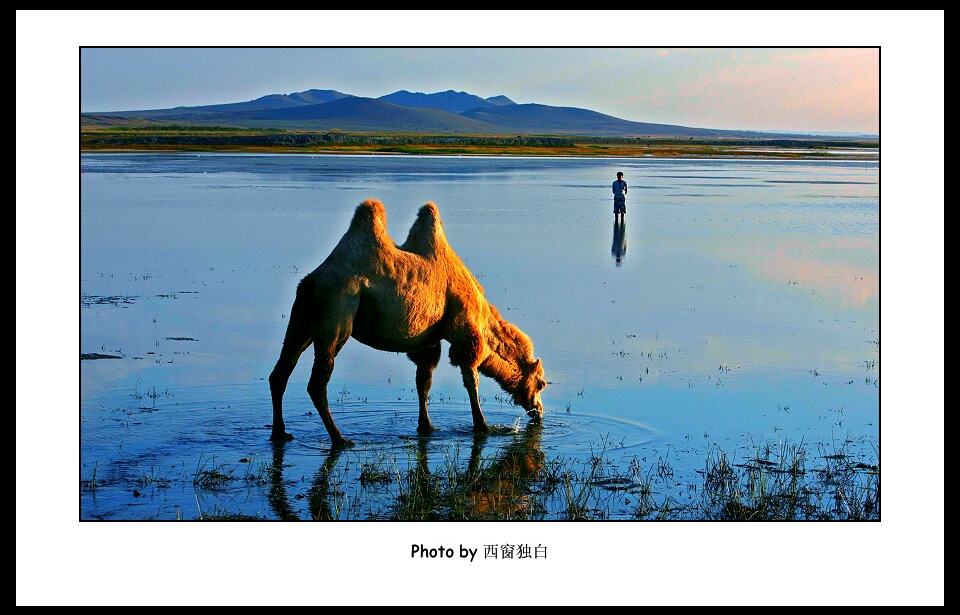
(798, 90)
(770, 70)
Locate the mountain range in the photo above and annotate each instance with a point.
(446, 112)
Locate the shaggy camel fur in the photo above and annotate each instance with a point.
(403, 299)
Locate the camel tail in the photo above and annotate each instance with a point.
(304, 302)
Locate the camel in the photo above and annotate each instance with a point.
(408, 299)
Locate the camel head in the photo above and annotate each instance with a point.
(527, 393)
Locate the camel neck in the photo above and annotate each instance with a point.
(506, 353)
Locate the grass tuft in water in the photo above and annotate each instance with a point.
(215, 476)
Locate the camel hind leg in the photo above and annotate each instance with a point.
(317, 388)
(296, 340)
(331, 328)
(326, 321)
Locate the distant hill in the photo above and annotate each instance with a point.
(448, 112)
(541, 119)
(358, 114)
(271, 101)
(499, 100)
(454, 102)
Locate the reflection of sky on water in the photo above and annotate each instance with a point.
(732, 300)
(531, 230)
(853, 286)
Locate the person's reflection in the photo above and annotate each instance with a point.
(619, 248)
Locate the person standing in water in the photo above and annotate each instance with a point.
(619, 197)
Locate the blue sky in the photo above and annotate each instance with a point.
(806, 89)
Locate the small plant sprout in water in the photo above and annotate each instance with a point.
(90, 484)
(152, 479)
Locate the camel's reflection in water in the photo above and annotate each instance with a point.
(497, 488)
(486, 488)
(325, 499)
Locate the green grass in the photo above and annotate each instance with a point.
(222, 138)
(786, 482)
(772, 481)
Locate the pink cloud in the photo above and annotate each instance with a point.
(839, 88)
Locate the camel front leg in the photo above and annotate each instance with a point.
(471, 380)
(426, 361)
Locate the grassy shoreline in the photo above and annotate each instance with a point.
(221, 139)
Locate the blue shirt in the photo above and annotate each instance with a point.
(620, 189)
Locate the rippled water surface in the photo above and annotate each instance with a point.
(737, 307)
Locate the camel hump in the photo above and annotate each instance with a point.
(426, 236)
(369, 220)
(430, 209)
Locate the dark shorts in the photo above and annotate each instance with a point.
(619, 206)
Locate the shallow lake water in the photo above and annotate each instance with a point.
(735, 310)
